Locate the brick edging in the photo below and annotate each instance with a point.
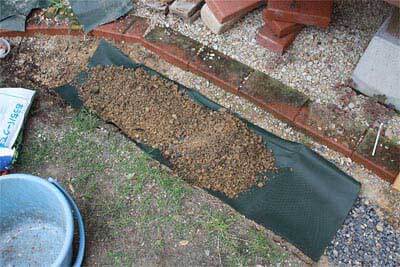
(228, 74)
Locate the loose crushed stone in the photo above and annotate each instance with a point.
(210, 149)
(365, 239)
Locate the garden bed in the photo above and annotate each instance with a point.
(210, 149)
(298, 172)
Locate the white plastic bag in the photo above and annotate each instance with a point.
(14, 107)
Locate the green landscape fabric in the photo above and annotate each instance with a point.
(13, 13)
(305, 202)
(91, 13)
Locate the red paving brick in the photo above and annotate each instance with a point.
(281, 100)
(386, 162)
(114, 30)
(6, 33)
(267, 39)
(172, 46)
(335, 128)
(226, 10)
(137, 30)
(282, 28)
(33, 28)
(35, 24)
(308, 12)
(220, 69)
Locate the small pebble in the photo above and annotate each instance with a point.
(365, 239)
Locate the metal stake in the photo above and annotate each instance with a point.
(377, 138)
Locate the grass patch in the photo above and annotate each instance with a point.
(120, 258)
(240, 249)
(261, 246)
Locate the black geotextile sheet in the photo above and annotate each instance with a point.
(13, 13)
(91, 13)
(305, 201)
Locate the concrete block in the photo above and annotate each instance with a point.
(378, 71)
(211, 21)
(185, 8)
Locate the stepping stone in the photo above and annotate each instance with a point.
(185, 8)
(316, 12)
(227, 10)
(282, 28)
(266, 38)
(211, 21)
(377, 72)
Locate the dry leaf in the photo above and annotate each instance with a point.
(183, 242)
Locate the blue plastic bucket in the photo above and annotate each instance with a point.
(37, 223)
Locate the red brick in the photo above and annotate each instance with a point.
(220, 69)
(386, 162)
(172, 46)
(282, 28)
(308, 12)
(338, 129)
(62, 29)
(44, 27)
(227, 10)
(35, 26)
(281, 100)
(6, 33)
(266, 38)
(137, 30)
(114, 30)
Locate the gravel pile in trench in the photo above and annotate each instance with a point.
(365, 239)
(210, 149)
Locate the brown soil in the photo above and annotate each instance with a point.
(210, 149)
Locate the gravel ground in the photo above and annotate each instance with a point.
(384, 200)
(365, 239)
(319, 63)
